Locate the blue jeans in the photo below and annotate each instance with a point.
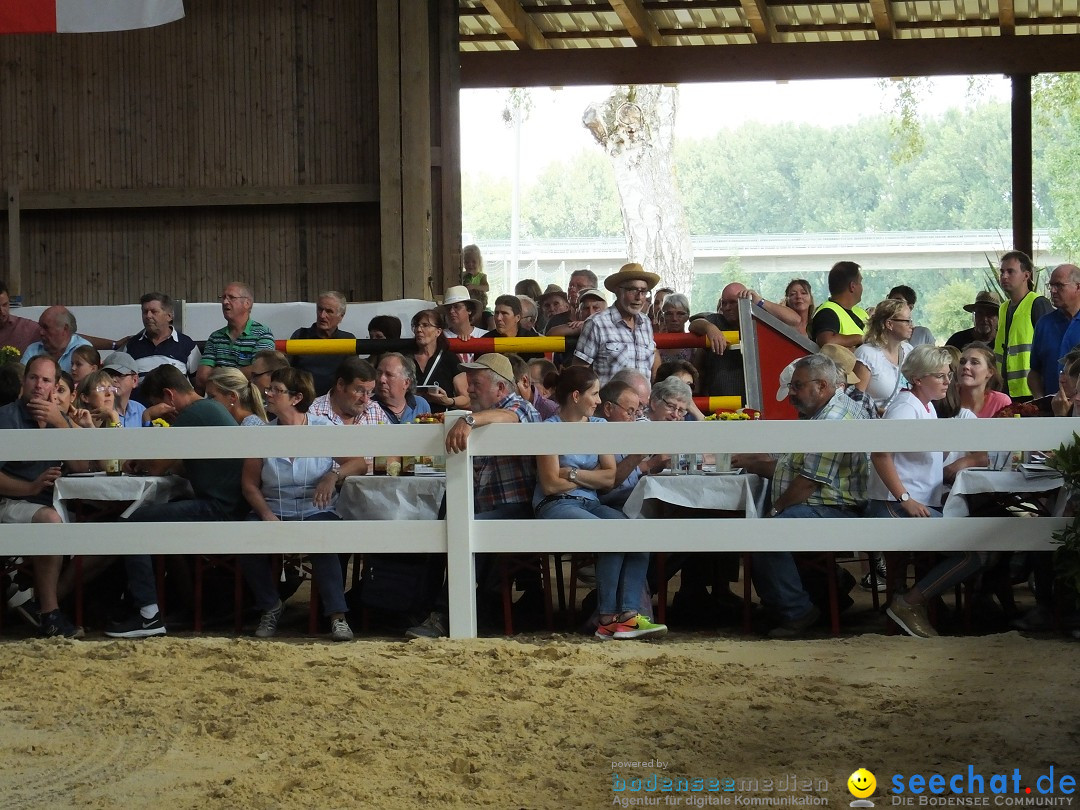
(142, 584)
(620, 577)
(325, 570)
(775, 575)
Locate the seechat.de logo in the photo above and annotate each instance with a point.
(860, 785)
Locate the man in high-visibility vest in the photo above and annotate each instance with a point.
(1016, 322)
(840, 320)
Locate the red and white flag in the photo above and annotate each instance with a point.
(83, 16)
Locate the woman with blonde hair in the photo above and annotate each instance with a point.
(883, 352)
(240, 396)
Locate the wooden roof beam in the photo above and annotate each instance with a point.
(1007, 17)
(787, 61)
(757, 15)
(518, 25)
(884, 21)
(637, 21)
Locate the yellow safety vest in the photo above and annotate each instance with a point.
(1013, 351)
(847, 324)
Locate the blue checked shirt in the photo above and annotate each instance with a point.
(499, 480)
(842, 476)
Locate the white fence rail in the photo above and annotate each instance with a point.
(461, 536)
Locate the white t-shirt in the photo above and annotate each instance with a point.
(885, 378)
(920, 473)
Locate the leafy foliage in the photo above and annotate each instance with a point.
(1067, 557)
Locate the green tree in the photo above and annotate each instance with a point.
(575, 198)
(485, 206)
(1057, 145)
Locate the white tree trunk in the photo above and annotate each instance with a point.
(636, 127)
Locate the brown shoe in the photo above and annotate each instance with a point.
(911, 618)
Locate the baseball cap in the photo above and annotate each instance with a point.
(121, 363)
(493, 362)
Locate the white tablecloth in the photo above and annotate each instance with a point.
(733, 493)
(974, 481)
(138, 489)
(387, 497)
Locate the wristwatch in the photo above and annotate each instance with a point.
(904, 498)
(469, 420)
(572, 475)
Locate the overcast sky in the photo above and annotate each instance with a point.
(554, 129)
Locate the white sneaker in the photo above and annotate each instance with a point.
(340, 630)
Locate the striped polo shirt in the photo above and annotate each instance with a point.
(222, 350)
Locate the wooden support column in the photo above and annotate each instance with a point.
(447, 241)
(404, 147)
(1023, 238)
(14, 268)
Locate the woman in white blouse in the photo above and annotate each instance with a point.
(883, 352)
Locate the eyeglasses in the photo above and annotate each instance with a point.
(278, 391)
(637, 292)
(1053, 285)
(424, 325)
(103, 389)
(632, 413)
(940, 376)
(900, 320)
(678, 410)
(234, 298)
(361, 392)
(799, 386)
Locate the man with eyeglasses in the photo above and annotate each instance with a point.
(619, 402)
(234, 344)
(721, 372)
(329, 310)
(352, 399)
(121, 367)
(1017, 319)
(1056, 333)
(567, 321)
(622, 335)
(265, 363)
(830, 485)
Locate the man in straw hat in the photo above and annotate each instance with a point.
(622, 336)
(458, 307)
(984, 312)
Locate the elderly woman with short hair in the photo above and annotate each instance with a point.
(304, 489)
(910, 485)
(670, 400)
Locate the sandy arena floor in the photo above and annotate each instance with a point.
(534, 721)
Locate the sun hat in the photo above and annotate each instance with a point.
(843, 357)
(986, 299)
(631, 272)
(460, 295)
(591, 294)
(493, 362)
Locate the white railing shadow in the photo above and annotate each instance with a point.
(461, 537)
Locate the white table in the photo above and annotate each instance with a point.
(137, 489)
(391, 497)
(726, 492)
(975, 481)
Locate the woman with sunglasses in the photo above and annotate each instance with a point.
(439, 376)
(303, 489)
(910, 485)
(883, 352)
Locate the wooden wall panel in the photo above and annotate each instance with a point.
(248, 93)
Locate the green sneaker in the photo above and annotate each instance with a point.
(637, 627)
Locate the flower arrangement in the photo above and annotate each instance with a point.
(159, 422)
(740, 415)
(9, 354)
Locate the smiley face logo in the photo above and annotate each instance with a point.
(861, 783)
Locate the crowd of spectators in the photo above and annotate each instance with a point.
(872, 364)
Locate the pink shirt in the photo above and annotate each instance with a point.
(19, 332)
(995, 401)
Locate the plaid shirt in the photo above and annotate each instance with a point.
(499, 480)
(373, 414)
(842, 475)
(222, 350)
(609, 345)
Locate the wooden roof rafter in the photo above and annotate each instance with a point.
(637, 22)
(884, 21)
(1006, 17)
(757, 16)
(517, 24)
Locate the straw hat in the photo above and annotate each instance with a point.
(460, 295)
(631, 272)
(986, 299)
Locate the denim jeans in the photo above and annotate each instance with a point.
(775, 575)
(142, 584)
(325, 570)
